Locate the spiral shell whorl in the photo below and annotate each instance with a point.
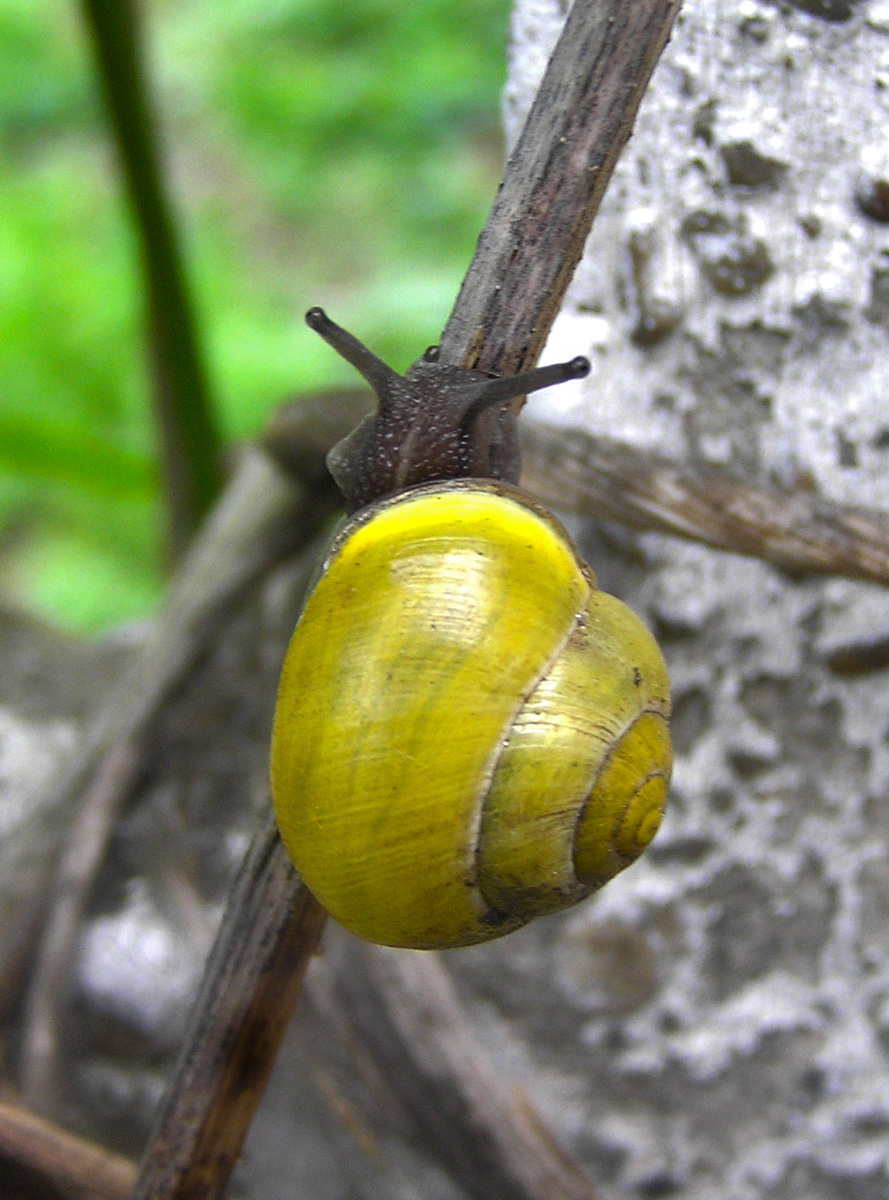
(581, 784)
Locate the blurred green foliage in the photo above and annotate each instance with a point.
(318, 151)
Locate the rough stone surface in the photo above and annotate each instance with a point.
(716, 1021)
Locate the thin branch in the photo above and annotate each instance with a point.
(271, 929)
(793, 528)
(555, 179)
(58, 1157)
(183, 409)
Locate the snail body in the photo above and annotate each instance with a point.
(468, 732)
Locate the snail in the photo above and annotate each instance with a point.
(468, 733)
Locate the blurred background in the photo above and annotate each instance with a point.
(315, 153)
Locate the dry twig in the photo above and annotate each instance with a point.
(251, 983)
(54, 1156)
(555, 179)
(792, 528)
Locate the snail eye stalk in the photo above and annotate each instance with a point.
(436, 422)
